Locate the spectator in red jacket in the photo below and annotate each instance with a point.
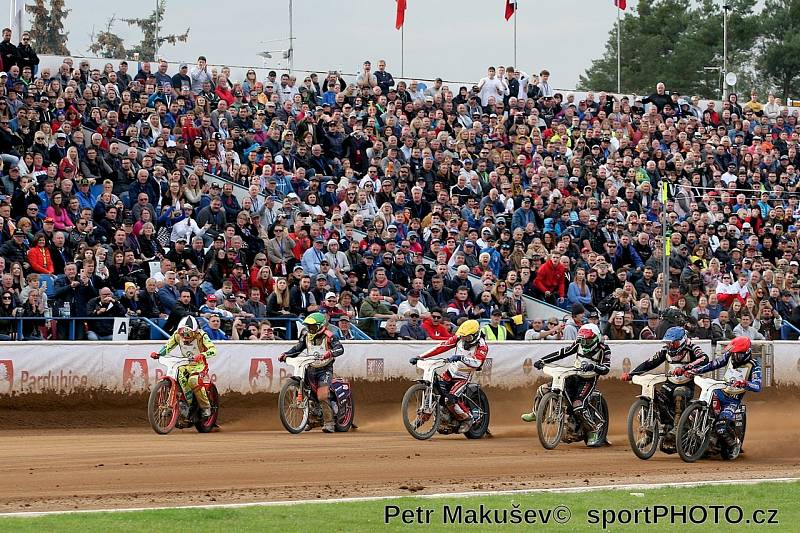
(39, 256)
(549, 280)
(435, 326)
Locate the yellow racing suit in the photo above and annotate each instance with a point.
(188, 374)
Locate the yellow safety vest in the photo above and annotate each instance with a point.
(490, 336)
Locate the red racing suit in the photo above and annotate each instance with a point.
(454, 380)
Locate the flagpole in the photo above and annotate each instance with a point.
(619, 62)
(516, 7)
(402, 50)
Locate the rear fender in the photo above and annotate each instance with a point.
(340, 390)
(644, 397)
(701, 402)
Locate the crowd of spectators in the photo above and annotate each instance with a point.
(510, 188)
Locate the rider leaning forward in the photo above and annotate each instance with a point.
(196, 347)
(742, 373)
(320, 342)
(593, 357)
(677, 391)
(471, 351)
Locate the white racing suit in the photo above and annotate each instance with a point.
(454, 380)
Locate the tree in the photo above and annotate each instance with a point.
(109, 45)
(47, 27)
(779, 57)
(151, 26)
(674, 41)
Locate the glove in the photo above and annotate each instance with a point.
(327, 355)
(538, 365)
(739, 384)
(587, 367)
(413, 360)
(679, 371)
(154, 355)
(454, 359)
(200, 358)
(282, 358)
(626, 376)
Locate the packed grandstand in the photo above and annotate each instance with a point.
(397, 208)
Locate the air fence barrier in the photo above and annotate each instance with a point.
(253, 367)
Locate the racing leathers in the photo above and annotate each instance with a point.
(325, 347)
(742, 378)
(677, 391)
(453, 381)
(197, 351)
(578, 388)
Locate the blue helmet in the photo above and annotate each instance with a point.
(675, 340)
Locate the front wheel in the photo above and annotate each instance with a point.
(694, 433)
(643, 429)
(206, 425)
(293, 407)
(550, 419)
(421, 407)
(481, 424)
(162, 407)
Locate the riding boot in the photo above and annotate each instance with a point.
(591, 426)
(327, 417)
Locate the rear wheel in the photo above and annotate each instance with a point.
(162, 407)
(293, 407)
(347, 413)
(420, 410)
(206, 425)
(550, 419)
(694, 433)
(481, 425)
(643, 429)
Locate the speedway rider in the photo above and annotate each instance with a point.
(320, 342)
(471, 352)
(742, 373)
(196, 347)
(593, 358)
(676, 392)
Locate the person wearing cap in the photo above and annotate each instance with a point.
(312, 257)
(413, 303)
(495, 331)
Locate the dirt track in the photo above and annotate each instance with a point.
(68, 457)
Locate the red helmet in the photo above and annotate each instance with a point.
(740, 350)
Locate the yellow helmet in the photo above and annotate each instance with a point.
(469, 332)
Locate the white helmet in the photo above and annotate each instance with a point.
(588, 337)
(188, 327)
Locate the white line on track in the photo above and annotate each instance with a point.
(559, 490)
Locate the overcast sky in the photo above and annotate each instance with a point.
(454, 39)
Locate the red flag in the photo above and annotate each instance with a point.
(401, 14)
(622, 4)
(511, 7)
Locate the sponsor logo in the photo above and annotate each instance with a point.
(6, 376)
(261, 374)
(60, 381)
(135, 375)
(375, 368)
(527, 366)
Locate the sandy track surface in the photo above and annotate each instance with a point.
(113, 459)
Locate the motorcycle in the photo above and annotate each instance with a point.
(645, 430)
(167, 407)
(424, 402)
(297, 402)
(554, 411)
(696, 436)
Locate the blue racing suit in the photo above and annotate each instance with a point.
(730, 398)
